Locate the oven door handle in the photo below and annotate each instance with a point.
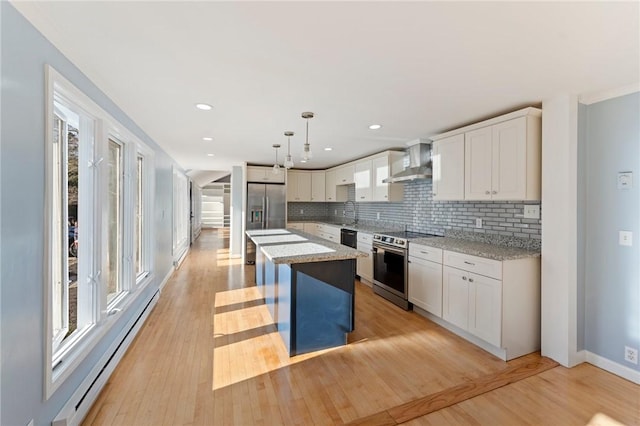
(390, 250)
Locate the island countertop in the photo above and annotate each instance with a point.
(282, 246)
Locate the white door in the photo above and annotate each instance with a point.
(477, 164)
(448, 168)
(455, 296)
(509, 168)
(425, 285)
(485, 308)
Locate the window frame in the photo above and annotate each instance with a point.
(96, 128)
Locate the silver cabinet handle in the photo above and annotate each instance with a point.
(470, 280)
(494, 192)
(487, 192)
(469, 263)
(424, 252)
(464, 278)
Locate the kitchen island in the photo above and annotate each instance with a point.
(308, 286)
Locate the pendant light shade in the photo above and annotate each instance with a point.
(276, 166)
(288, 162)
(306, 153)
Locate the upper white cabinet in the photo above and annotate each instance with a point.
(318, 185)
(263, 174)
(345, 174)
(298, 185)
(382, 167)
(363, 178)
(501, 159)
(369, 176)
(448, 168)
(330, 185)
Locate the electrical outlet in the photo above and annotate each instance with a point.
(301, 211)
(335, 212)
(378, 215)
(479, 222)
(625, 238)
(631, 355)
(531, 211)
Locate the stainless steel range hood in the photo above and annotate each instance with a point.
(418, 157)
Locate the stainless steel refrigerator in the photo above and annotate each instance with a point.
(266, 209)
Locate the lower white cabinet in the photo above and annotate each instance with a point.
(425, 278)
(311, 228)
(328, 232)
(474, 303)
(364, 265)
(494, 304)
(296, 225)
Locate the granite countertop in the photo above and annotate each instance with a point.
(292, 246)
(476, 248)
(370, 229)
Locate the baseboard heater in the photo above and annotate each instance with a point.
(83, 398)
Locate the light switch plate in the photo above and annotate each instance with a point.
(531, 211)
(625, 238)
(625, 180)
(479, 222)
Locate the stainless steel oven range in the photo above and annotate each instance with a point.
(390, 256)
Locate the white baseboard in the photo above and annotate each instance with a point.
(613, 367)
(166, 279)
(85, 395)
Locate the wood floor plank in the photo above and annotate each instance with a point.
(209, 354)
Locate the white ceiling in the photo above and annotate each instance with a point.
(417, 68)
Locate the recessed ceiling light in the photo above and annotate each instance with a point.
(207, 138)
(210, 155)
(328, 149)
(375, 126)
(204, 107)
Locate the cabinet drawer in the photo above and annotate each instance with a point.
(479, 265)
(425, 252)
(365, 238)
(296, 225)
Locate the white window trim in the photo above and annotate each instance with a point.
(79, 346)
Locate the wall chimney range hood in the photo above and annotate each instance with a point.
(418, 157)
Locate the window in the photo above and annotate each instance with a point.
(99, 193)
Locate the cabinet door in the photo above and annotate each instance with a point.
(509, 167)
(292, 185)
(304, 186)
(362, 177)
(425, 285)
(477, 164)
(344, 175)
(330, 185)
(364, 265)
(311, 228)
(318, 186)
(485, 308)
(448, 168)
(455, 296)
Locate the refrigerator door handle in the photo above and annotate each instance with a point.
(265, 207)
(266, 216)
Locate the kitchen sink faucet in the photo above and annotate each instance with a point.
(355, 210)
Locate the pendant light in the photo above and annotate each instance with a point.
(306, 154)
(276, 166)
(288, 162)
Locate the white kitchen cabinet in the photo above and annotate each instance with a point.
(500, 307)
(298, 186)
(310, 228)
(345, 174)
(330, 185)
(328, 232)
(363, 178)
(364, 265)
(502, 162)
(502, 159)
(425, 278)
(296, 225)
(448, 168)
(382, 167)
(263, 174)
(318, 185)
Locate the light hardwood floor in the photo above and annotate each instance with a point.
(209, 354)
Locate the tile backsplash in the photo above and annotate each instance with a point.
(420, 213)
